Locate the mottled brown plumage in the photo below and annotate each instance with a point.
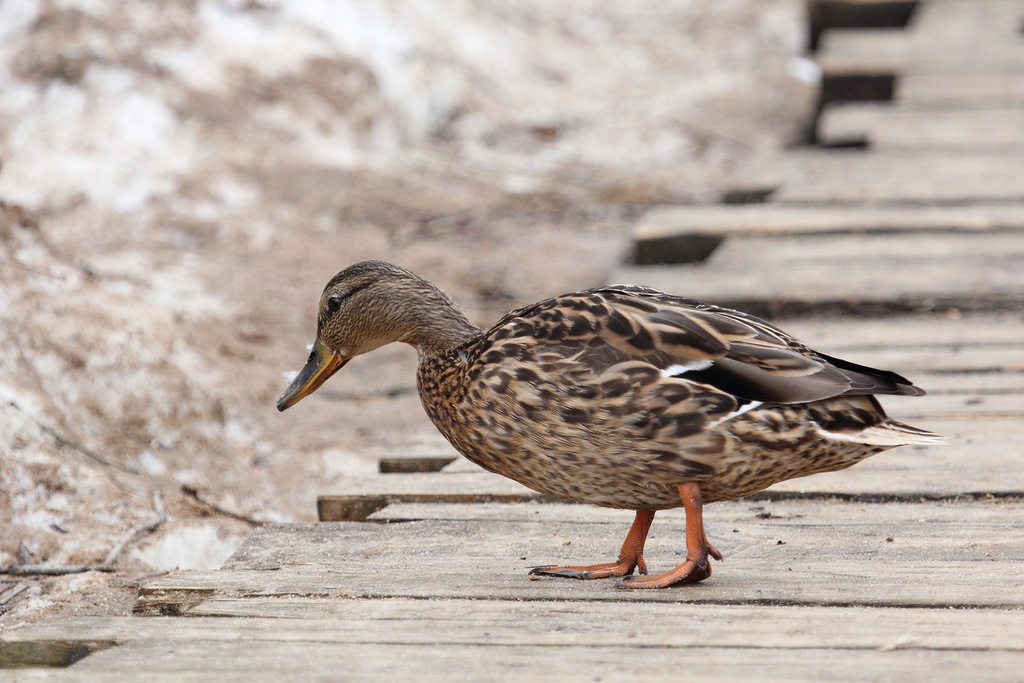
(620, 396)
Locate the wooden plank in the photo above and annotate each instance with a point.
(955, 336)
(855, 176)
(763, 276)
(934, 532)
(841, 556)
(982, 384)
(398, 465)
(401, 621)
(963, 406)
(314, 567)
(750, 582)
(962, 91)
(923, 522)
(751, 529)
(887, 127)
(864, 51)
(671, 625)
(362, 496)
(948, 249)
(740, 220)
(895, 51)
(628, 660)
(979, 25)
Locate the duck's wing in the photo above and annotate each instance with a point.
(731, 351)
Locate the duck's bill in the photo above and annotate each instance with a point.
(321, 365)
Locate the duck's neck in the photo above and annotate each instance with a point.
(435, 324)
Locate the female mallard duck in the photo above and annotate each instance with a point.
(620, 396)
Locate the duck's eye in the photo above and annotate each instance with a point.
(334, 303)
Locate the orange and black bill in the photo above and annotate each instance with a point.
(322, 363)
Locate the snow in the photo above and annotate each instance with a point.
(150, 462)
(188, 546)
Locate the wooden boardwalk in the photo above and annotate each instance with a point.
(906, 252)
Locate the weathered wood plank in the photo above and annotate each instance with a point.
(753, 518)
(855, 176)
(840, 265)
(948, 249)
(755, 274)
(895, 51)
(405, 621)
(986, 385)
(887, 127)
(674, 625)
(332, 585)
(867, 52)
(849, 272)
(746, 581)
(910, 335)
(751, 530)
(948, 406)
(362, 496)
(793, 552)
(960, 90)
(756, 582)
(978, 25)
(779, 219)
(273, 661)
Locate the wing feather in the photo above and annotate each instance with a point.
(728, 350)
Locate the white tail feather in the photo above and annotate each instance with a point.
(887, 434)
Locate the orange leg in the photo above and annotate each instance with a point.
(696, 568)
(630, 557)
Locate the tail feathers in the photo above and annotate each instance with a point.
(888, 433)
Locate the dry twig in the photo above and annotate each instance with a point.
(111, 559)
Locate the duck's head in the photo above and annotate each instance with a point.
(368, 305)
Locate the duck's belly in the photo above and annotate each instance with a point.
(594, 466)
(576, 475)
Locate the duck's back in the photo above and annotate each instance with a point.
(615, 395)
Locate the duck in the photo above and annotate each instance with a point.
(619, 396)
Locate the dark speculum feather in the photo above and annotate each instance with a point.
(750, 382)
